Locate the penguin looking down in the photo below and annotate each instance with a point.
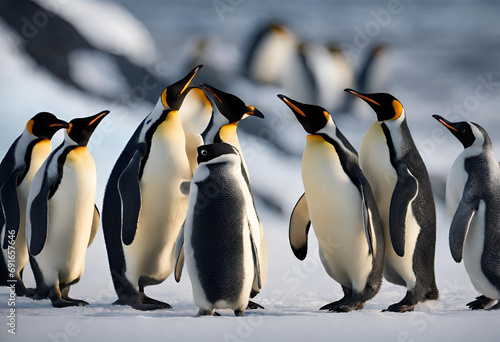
(339, 203)
(402, 189)
(61, 215)
(17, 169)
(473, 202)
(144, 206)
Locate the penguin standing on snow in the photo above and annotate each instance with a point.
(144, 207)
(339, 203)
(473, 201)
(228, 111)
(61, 216)
(402, 190)
(220, 250)
(17, 169)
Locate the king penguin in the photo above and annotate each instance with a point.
(228, 111)
(339, 203)
(221, 251)
(144, 207)
(17, 169)
(61, 217)
(402, 189)
(473, 202)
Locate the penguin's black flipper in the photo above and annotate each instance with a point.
(255, 254)
(179, 255)
(300, 222)
(10, 205)
(38, 212)
(95, 224)
(367, 219)
(130, 195)
(460, 225)
(404, 193)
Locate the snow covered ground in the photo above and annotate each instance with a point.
(433, 69)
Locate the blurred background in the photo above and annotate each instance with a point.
(76, 57)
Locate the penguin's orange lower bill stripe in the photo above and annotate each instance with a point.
(450, 127)
(294, 107)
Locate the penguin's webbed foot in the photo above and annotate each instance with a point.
(31, 293)
(147, 307)
(398, 307)
(348, 306)
(253, 306)
(155, 302)
(239, 313)
(332, 305)
(480, 303)
(62, 303)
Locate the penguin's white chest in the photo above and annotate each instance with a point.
(163, 206)
(335, 209)
(473, 251)
(455, 184)
(375, 162)
(70, 211)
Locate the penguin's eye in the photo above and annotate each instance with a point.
(463, 131)
(203, 152)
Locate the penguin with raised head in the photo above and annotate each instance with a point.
(402, 190)
(473, 202)
(195, 114)
(228, 111)
(17, 169)
(339, 203)
(221, 251)
(144, 207)
(61, 215)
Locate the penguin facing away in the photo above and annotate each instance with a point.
(144, 207)
(339, 203)
(402, 190)
(228, 111)
(17, 170)
(221, 252)
(473, 202)
(61, 216)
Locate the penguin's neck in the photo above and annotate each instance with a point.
(216, 122)
(23, 142)
(398, 135)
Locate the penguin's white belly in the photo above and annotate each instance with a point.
(455, 185)
(163, 208)
(335, 209)
(473, 251)
(376, 165)
(39, 153)
(70, 213)
(272, 58)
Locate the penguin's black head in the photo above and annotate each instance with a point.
(44, 125)
(81, 129)
(173, 95)
(312, 118)
(211, 151)
(386, 106)
(229, 105)
(461, 130)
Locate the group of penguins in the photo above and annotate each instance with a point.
(175, 198)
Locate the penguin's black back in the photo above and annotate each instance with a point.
(217, 236)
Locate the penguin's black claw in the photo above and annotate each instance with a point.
(399, 308)
(146, 306)
(480, 303)
(239, 313)
(253, 306)
(347, 307)
(159, 304)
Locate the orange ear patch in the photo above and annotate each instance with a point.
(398, 109)
(164, 98)
(29, 126)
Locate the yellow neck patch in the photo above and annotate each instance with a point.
(29, 126)
(398, 109)
(227, 132)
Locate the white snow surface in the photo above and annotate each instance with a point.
(295, 290)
